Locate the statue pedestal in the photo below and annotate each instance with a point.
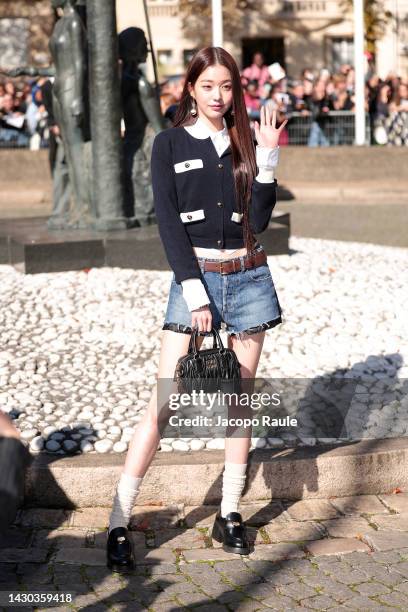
(29, 246)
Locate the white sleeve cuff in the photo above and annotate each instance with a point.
(267, 157)
(194, 293)
(265, 176)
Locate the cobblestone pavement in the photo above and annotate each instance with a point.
(348, 553)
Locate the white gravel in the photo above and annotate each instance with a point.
(79, 351)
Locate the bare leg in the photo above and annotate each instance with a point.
(146, 438)
(248, 352)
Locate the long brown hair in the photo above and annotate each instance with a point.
(242, 145)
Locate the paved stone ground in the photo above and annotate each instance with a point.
(348, 553)
(350, 220)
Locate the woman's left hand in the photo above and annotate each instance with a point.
(267, 135)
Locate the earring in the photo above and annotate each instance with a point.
(193, 110)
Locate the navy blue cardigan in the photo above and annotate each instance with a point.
(194, 200)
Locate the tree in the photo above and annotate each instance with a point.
(376, 19)
(196, 18)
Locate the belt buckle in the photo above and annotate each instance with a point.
(222, 268)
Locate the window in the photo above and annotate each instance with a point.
(164, 56)
(342, 52)
(272, 48)
(187, 56)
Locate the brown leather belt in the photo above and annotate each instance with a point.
(229, 266)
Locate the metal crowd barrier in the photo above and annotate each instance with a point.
(10, 140)
(335, 129)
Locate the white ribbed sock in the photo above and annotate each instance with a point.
(123, 502)
(233, 482)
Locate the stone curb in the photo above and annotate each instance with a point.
(341, 194)
(364, 467)
(372, 192)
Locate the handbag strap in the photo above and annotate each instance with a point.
(192, 347)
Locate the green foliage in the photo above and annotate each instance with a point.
(376, 19)
(196, 18)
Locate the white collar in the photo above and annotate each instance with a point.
(200, 130)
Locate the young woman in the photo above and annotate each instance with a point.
(220, 272)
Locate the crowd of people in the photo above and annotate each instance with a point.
(318, 104)
(23, 116)
(324, 103)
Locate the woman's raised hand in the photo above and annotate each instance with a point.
(267, 134)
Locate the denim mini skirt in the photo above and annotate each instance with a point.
(241, 302)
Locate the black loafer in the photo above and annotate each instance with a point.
(231, 532)
(119, 551)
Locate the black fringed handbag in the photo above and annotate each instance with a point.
(211, 369)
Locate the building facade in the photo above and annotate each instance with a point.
(295, 33)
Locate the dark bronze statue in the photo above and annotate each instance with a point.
(99, 199)
(143, 120)
(68, 50)
(69, 101)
